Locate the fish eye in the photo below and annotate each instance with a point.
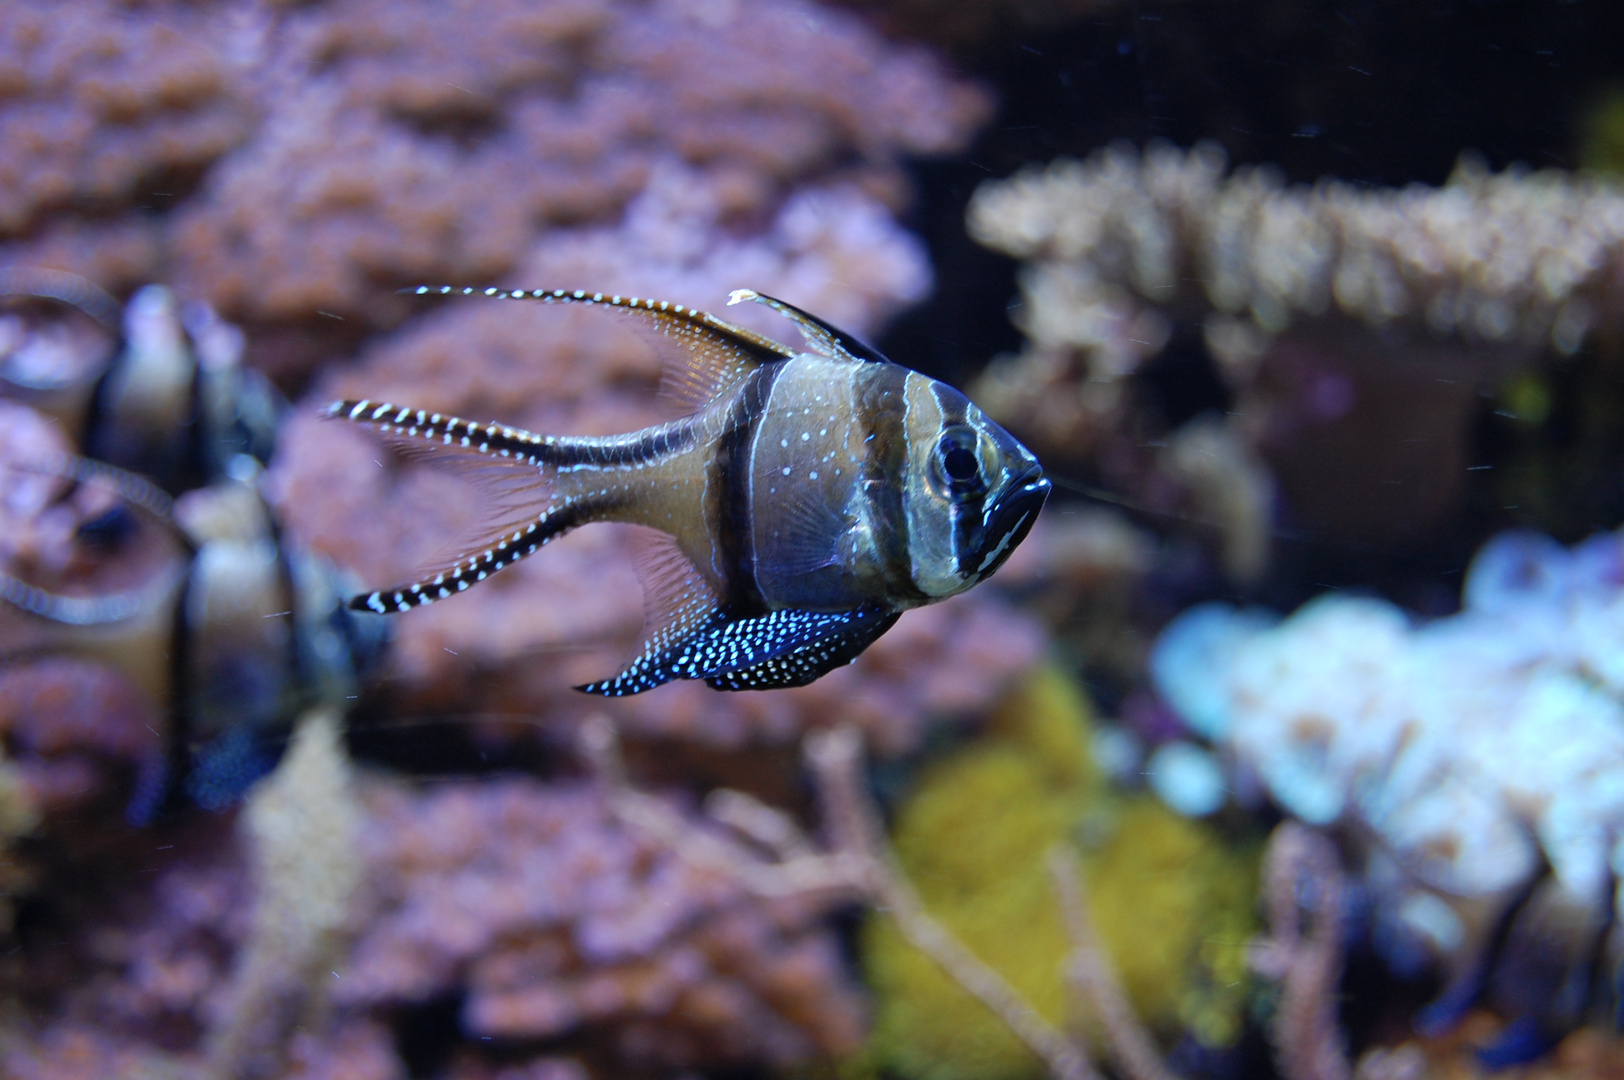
(958, 460)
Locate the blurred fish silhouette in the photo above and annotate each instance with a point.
(156, 387)
(229, 630)
(806, 498)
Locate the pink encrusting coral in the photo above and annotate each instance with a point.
(78, 733)
(554, 918)
(442, 140)
(101, 96)
(289, 162)
(529, 901)
(294, 165)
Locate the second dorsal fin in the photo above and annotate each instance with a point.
(149, 541)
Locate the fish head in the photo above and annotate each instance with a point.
(972, 490)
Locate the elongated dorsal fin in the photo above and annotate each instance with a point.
(137, 494)
(102, 610)
(78, 293)
(831, 341)
(715, 354)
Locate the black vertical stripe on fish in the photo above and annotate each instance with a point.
(160, 794)
(731, 475)
(882, 407)
(965, 520)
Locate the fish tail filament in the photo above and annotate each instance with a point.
(549, 525)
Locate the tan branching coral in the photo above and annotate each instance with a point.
(858, 863)
(554, 918)
(304, 822)
(767, 854)
(1354, 326)
(1302, 875)
(1514, 259)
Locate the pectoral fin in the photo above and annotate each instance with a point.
(758, 652)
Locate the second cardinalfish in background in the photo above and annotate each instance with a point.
(807, 498)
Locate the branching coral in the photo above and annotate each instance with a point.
(1354, 326)
(924, 984)
(1515, 260)
(857, 863)
(1300, 871)
(1171, 904)
(304, 823)
(530, 902)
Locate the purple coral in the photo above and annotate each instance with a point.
(554, 918)
(307, 159)
(100, 96)
(387, 168)
(292, 162)
(78, 731)
(531, 900)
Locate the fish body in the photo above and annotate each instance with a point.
(808, 498)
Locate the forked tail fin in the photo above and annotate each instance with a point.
(514, 465)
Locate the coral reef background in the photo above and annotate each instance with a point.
(1311, 299)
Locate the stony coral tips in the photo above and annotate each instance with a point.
(842, 489)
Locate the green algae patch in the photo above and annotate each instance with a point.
(1601, 134)
(1173, 903)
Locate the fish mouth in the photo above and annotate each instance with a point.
(1009, 522)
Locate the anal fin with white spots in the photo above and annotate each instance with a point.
(760, 652)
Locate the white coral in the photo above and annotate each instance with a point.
(1471, 750)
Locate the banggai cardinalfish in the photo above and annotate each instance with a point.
(806, 499)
